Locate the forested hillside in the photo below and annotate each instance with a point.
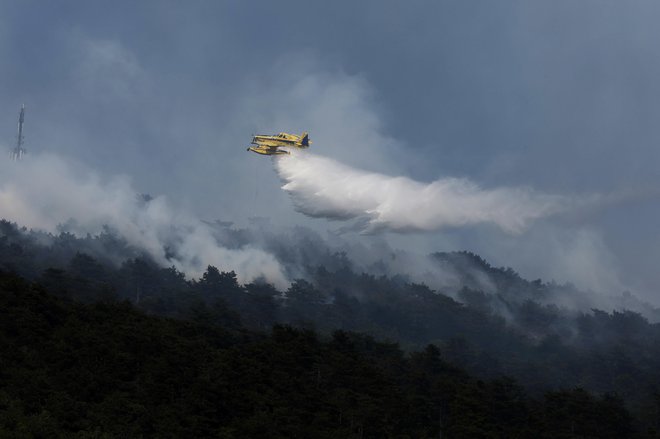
(109, 370)
(496, 324)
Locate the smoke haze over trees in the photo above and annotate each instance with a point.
(553, 97)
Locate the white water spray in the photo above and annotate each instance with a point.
(322, 187)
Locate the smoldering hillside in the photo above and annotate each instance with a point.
(94, 239)
(487, 319)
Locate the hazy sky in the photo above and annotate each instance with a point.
(559, 96)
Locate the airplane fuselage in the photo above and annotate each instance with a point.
(270, 145)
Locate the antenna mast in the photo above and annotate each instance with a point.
(18, 152)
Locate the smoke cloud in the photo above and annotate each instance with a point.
(44, 192)
(322, 187)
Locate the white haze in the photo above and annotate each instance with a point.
(322, 187)
(43, 192)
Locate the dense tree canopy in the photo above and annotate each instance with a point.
(108, 370)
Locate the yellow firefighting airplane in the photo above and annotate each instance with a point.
(270, 145)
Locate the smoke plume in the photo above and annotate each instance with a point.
(44, 192)
(322, 187)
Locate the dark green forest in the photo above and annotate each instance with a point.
(99, 341)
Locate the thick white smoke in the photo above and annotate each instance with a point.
(322, 187)
(43, 191)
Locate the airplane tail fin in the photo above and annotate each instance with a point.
(304, 139)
